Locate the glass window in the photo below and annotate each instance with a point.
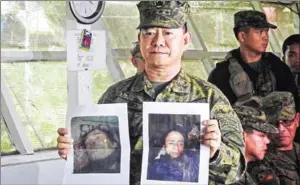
(215, 22)
(195, 68)
(281, 16)
(39, 91)
(102, 79)
(6, 145)
(33, 25)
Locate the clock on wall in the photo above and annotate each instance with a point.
(87, 12)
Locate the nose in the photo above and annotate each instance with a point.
(267, 140)
(265, 35)
(159, 40)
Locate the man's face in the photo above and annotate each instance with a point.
(256, 145)
(287, 131)
(174, 144)
(162, 47)
(98, 145)
(292, 57)
(255, 40)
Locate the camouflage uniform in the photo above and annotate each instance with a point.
(253, 118)
(228, 165)
(281, 106)
(239, 80)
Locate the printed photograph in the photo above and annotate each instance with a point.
(97, 147)
(174, 147)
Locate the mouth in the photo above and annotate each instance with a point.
(158, 53)
(284, 137)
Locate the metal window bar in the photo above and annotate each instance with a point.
(14, 124)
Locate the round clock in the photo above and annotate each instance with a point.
(87, 12)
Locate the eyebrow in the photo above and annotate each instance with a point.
(292, 52)
(172, 140)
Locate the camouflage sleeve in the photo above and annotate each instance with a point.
(263, 172)
(108, 96)
(229, 165)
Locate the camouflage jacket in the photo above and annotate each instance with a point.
(228, 165)
(262, 173)
(245, 180)
(286, 169)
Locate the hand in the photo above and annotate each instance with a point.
(63, 143)
(212, 136)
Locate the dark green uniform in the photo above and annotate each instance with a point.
(252, 117)
(286, 164)
(229, 163)
(281, 106)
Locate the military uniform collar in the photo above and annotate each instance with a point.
(180, 83)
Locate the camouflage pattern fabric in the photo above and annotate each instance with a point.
(240, 83)
(245, 180)
(262, 173)
(251, 18)
(254, 118)
(279, 106)
(228, 165)
(286, 169)
(166, 14)
(265, 81)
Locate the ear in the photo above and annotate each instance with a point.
(241, 36)
(133, 61)
(186, 40)
(244, 134)
(297, 119)
(139, 36)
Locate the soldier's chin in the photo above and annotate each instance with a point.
(100, 154)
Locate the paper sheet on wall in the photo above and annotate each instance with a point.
(101, 148)
(172, 153)
(80, 60)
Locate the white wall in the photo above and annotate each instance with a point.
(44, 171)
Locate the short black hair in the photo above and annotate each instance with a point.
(293, 39)
(240, 29)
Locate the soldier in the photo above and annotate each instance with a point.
(291, 56)
(255, 130)
(163, 37)
(136, 58)
(250, 70)
(284, 154)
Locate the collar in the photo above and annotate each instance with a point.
(181, 83)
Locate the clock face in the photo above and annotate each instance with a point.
(85, 8)
(87, 12)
